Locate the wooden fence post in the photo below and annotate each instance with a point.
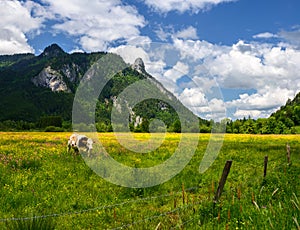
(225, 173)
(265, 166)
(183, 195)
(288, 152)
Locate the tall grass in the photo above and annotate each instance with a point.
(31, 224)
(37, 175)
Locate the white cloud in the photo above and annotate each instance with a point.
(292, 37)
(179, 70)
(188, 33)
(215, 110)
(193, 98)
(96, 23)
(168, 33)
(139, 41)
(273, 71)
(261, 104)
(162, 34)
(198, 50)
(17, 22)
(246, 113)
(183, 5)
(130, 53)
(256, 65)
(206, 84)
(77, 50)
(265, 35)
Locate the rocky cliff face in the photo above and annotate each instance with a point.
(56, 80)
(72, 72)
(51, 79)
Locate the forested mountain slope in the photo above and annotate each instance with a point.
(34, 88)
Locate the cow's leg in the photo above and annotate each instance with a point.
(76, 151)
(89, 152)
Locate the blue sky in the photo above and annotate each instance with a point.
(238, 56)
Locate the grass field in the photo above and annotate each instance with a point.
(42, 185)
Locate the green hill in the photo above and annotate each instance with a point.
(289, 115)
(286, 120)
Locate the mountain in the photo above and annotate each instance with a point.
(34, 87)
(53, 51)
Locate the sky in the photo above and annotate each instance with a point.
(221, 58)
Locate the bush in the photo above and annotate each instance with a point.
(53, 129)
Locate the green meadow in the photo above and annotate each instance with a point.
(42, 186)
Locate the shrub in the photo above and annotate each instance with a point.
(53, 129)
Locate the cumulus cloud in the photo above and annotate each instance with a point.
(206, 84)
(215, 109)
(188, 33)
(289, 37)
(96, 24)
(246, 113)
(269, 98)
(261, 104)
(198, 49)
(265, 35)
(242, 65)
(179, 70)
(130, 53)
(183, 5)
(168, 33)
(292, 37)
(273, 71)
(18, 19)
(193, 98)
(162, 34)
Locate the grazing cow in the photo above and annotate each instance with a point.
(80, 142)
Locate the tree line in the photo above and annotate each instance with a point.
(284, 121)
(241, 126)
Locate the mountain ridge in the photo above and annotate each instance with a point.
(32, 87)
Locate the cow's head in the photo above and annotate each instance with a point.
(73, 140)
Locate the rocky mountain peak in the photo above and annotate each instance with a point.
(139, 65)
(53, 50)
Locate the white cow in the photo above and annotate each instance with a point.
(80, 142)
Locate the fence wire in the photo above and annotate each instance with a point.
(96, 208)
